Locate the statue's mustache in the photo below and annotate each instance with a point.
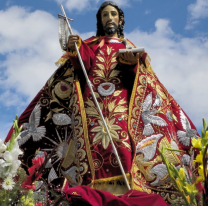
(110, 21)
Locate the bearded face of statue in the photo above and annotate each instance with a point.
(110, 20)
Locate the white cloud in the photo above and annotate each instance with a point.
(30, 47)
(197, 10)
(181, 65)
(83, 5)
(8, 98)
(29, 44)
(123, 3)
(78, 5)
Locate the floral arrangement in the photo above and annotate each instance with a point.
(15, 187)
(191, 183)
(19, 189)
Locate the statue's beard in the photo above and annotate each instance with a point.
(110, 30)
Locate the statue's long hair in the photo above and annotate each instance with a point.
(100, 30)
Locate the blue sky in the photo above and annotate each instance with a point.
(174, 33)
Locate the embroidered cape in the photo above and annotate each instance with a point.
(58, 117)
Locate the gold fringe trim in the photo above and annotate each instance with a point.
(104, 182)
(85, 129)
(61, 61)
(66, 56)
(132, 98)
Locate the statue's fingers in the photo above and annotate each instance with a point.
(126, 55)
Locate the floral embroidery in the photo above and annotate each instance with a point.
(102, 133)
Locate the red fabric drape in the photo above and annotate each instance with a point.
(84, 195)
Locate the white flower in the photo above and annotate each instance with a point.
(8, 183)
(2, 147)
(102, 133)
(10, 163)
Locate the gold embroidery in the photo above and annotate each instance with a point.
(116, 93)
(102, 133)
(100, 59)
(114, 73)
(120, 109)
(101, 66)
(109, 50)
(100, 73)
(133, 94)
(113, 66)
(170, 155)
(85, 130)
(111, 105)
(145, 167)
(113, 60)
(70, 155)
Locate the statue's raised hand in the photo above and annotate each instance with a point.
(72, 39)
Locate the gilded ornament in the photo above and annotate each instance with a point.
(102, 133)
(101, 59)
(160, 92)
(142, 80)
(111, 105)
(113, 59)
(113, 66)
(116, 93)
(109, 49)
(63, 90)
(70, 155)
(141, 89)
(120, 108)
(170, 155)
(101, 66)
(100, 73)
(114, 73)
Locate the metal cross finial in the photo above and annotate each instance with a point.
(66, 18)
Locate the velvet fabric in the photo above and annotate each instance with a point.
(84, 195)
(154, 119)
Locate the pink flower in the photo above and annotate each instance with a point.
(33, 173)
(27, 184)
(39, 204)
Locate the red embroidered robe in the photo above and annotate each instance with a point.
(141, 115)
(113, 94)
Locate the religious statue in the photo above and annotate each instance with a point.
(140, 114)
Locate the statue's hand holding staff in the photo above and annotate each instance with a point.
(73, 38)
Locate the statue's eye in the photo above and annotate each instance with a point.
(113, 13)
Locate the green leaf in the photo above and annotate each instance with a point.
(176, 150)
(203, 133)
(204, 124)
